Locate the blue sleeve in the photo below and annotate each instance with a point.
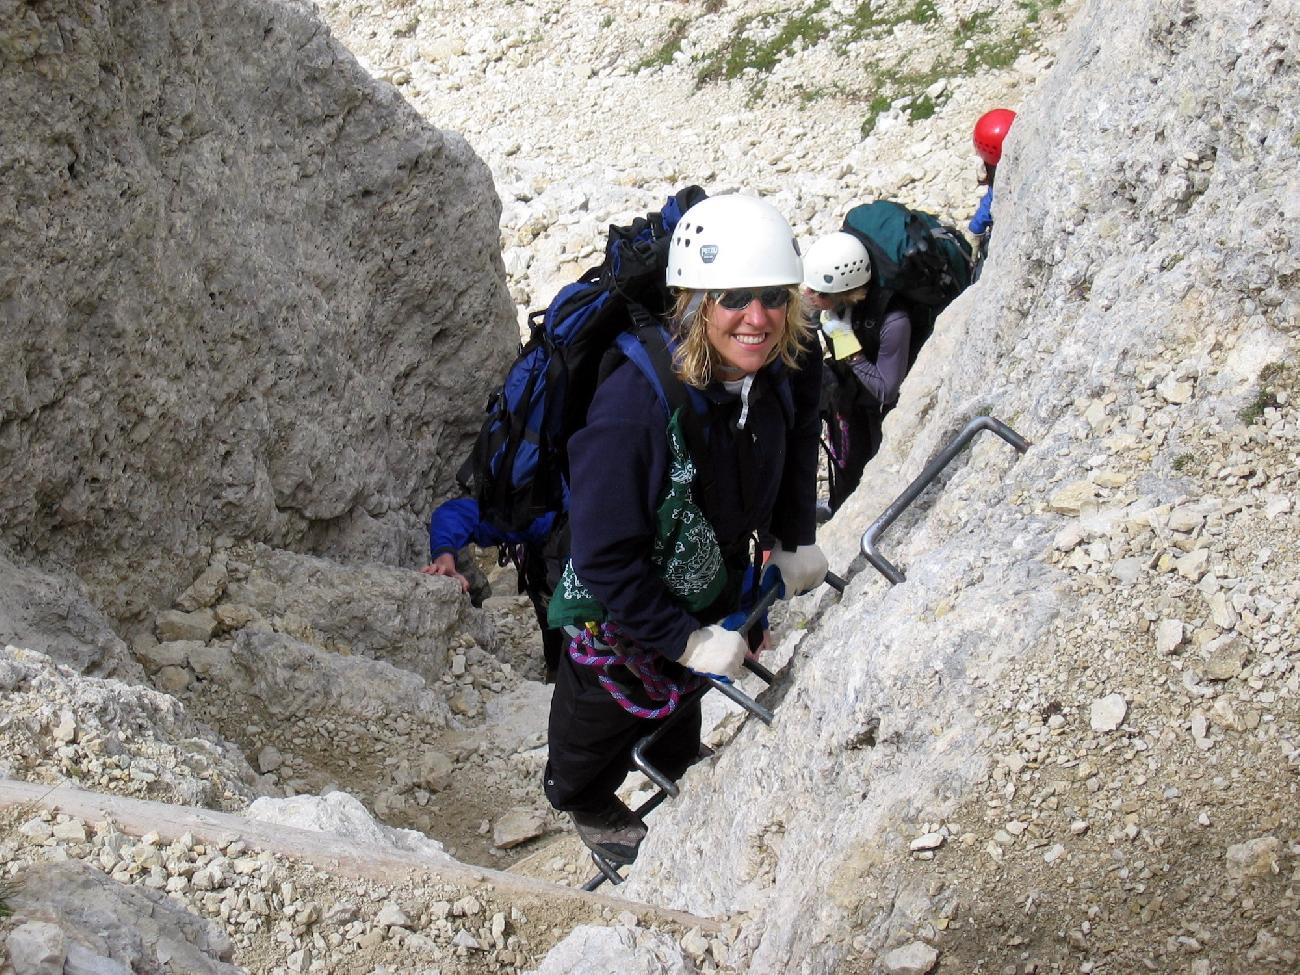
(456, 523)
(618, 467)
(536, 533)
(983, 219)
(452, 526)
(884, 377)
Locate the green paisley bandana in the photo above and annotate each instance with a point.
(685, 555)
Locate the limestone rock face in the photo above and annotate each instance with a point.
(111, 736)
(341, 814)
(588, 950)
(1145, 208)
(409, 619)
(287, 678)
(246, 290)
(110, 927)
(55, 616)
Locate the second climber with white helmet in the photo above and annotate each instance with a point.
(740, 340)
(867, 335)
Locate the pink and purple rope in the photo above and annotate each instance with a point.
(585, 650)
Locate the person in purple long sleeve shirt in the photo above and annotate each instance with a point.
(868, 335)
(739, 339)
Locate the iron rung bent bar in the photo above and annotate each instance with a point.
(922, 481)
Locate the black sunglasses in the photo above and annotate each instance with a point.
(769, 297)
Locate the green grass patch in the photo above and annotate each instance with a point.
(921, 108)
(1183, 463)
(997, 54)
(1270, 378)
(922, 12)
(744, 51)
(663, 55)
(1034, 8)
(758, 42)
(8, 891)
(878, 106)
(808, 95)
(973, 27)
(860, 23)
(890, 86)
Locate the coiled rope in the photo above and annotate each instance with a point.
(603, 645)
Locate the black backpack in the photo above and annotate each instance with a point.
(518, 469)
(915, 259)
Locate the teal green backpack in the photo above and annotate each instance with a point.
(915, 257)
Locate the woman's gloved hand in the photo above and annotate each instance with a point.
(840, 333)
(800, 570)
(716, 651)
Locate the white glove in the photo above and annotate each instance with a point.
(715, 650)
(801, 570)
(843, 342)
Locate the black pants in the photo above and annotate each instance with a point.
(592, 737)
(853, 438)
(539, 573)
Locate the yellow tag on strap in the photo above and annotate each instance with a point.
(844, 344)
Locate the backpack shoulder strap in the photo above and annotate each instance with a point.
(650, 350)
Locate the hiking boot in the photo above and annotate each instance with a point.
(613, 831)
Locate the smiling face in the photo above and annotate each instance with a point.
(745, 339)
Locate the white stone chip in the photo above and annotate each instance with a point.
(916, 958)
(1108, 713)
(930, 841)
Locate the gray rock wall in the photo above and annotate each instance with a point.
(73, 917)
(244, 290)
(54, 616)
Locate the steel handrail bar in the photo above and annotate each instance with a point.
(922, 481)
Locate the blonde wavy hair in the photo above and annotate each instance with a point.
(696, 358)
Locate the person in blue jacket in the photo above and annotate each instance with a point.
(457, 522)
(990, 131)
(660, 547)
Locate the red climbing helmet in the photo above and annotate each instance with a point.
(990, 130)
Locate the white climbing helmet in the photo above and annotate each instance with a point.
(835, 263)
(733, 241)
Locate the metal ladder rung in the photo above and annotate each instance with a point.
(667, 787)
(922, 481)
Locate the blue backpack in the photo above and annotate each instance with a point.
(518, 469)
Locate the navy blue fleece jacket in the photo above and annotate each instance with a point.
(619, 464)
